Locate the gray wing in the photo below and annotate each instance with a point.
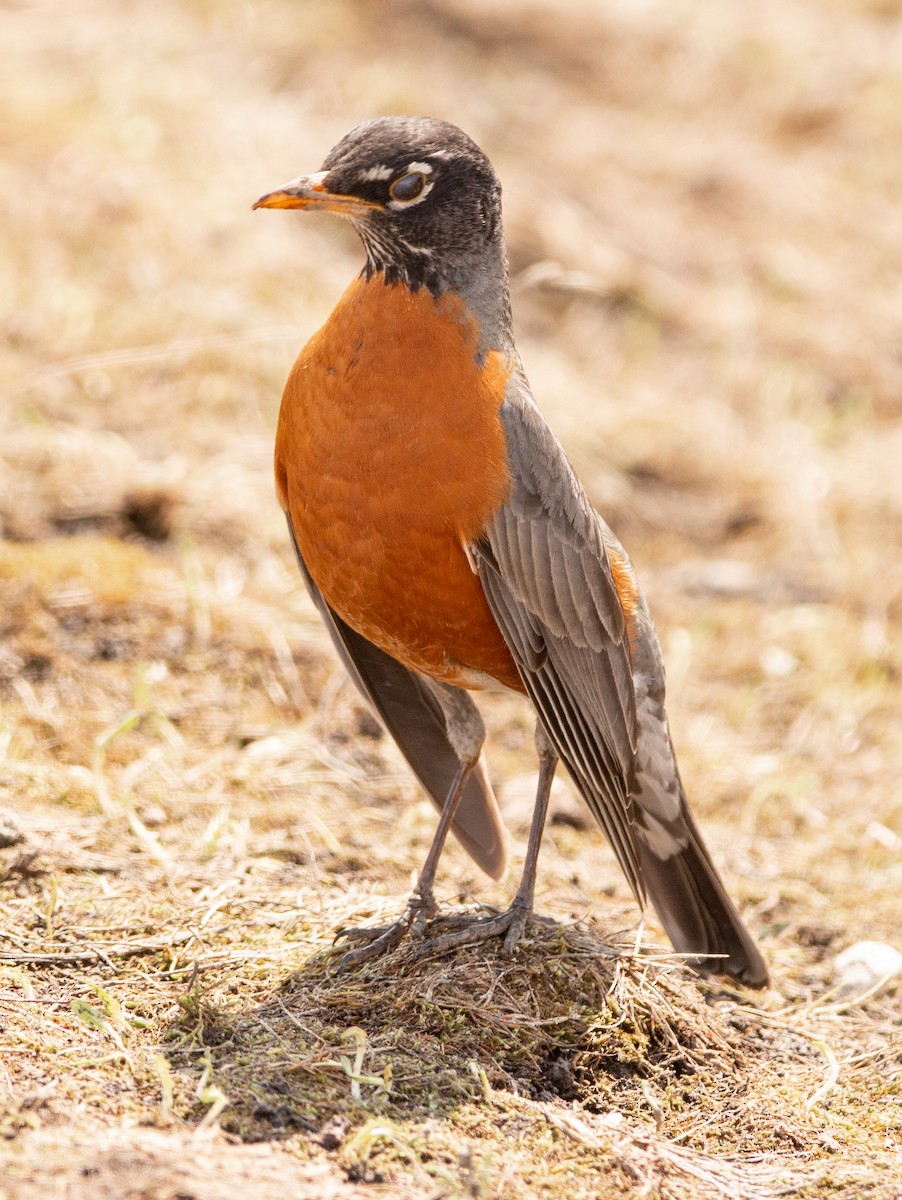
(596, 678)
(545, 572)
(410, 712)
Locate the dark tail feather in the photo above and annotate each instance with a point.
(695, 910)
(679, 877)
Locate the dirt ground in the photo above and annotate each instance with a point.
(704, 212)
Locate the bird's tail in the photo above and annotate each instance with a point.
(694, 908)
(679, 877)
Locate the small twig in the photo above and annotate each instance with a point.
(135, 355)
(209, 1093)
(832, 1075)
(74, 957)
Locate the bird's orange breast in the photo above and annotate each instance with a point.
(390, 458)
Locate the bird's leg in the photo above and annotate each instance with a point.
(466, 734)
(511, 923)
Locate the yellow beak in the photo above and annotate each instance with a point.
(310, 192)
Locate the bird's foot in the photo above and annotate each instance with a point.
(377, 939)
(511, 924)
(453, 921)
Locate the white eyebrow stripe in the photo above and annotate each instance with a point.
(371, 174)
(425, 168)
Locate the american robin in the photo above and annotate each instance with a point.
(449, 546)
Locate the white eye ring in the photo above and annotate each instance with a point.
(412, 187)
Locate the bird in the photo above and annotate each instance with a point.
(450, 548)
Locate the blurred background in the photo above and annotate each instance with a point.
(703, 205)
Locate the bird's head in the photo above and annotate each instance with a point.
(424, 199)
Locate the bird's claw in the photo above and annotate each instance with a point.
(511, 923)
(386, 938)
(378, 939)
(455, 921)
(463, 931)
(363, 933)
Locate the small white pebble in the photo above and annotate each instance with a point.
(777, 663)
(153, 815)
(264, 748)
(156, 671)
(864, 964)
(882, 835)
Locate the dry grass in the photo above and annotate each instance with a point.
(703, 210)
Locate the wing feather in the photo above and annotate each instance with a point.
(593, 670)
(549, 584)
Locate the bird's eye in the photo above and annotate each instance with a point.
(408, 187)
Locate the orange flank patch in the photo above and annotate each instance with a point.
(627, 589)
(390, 457)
